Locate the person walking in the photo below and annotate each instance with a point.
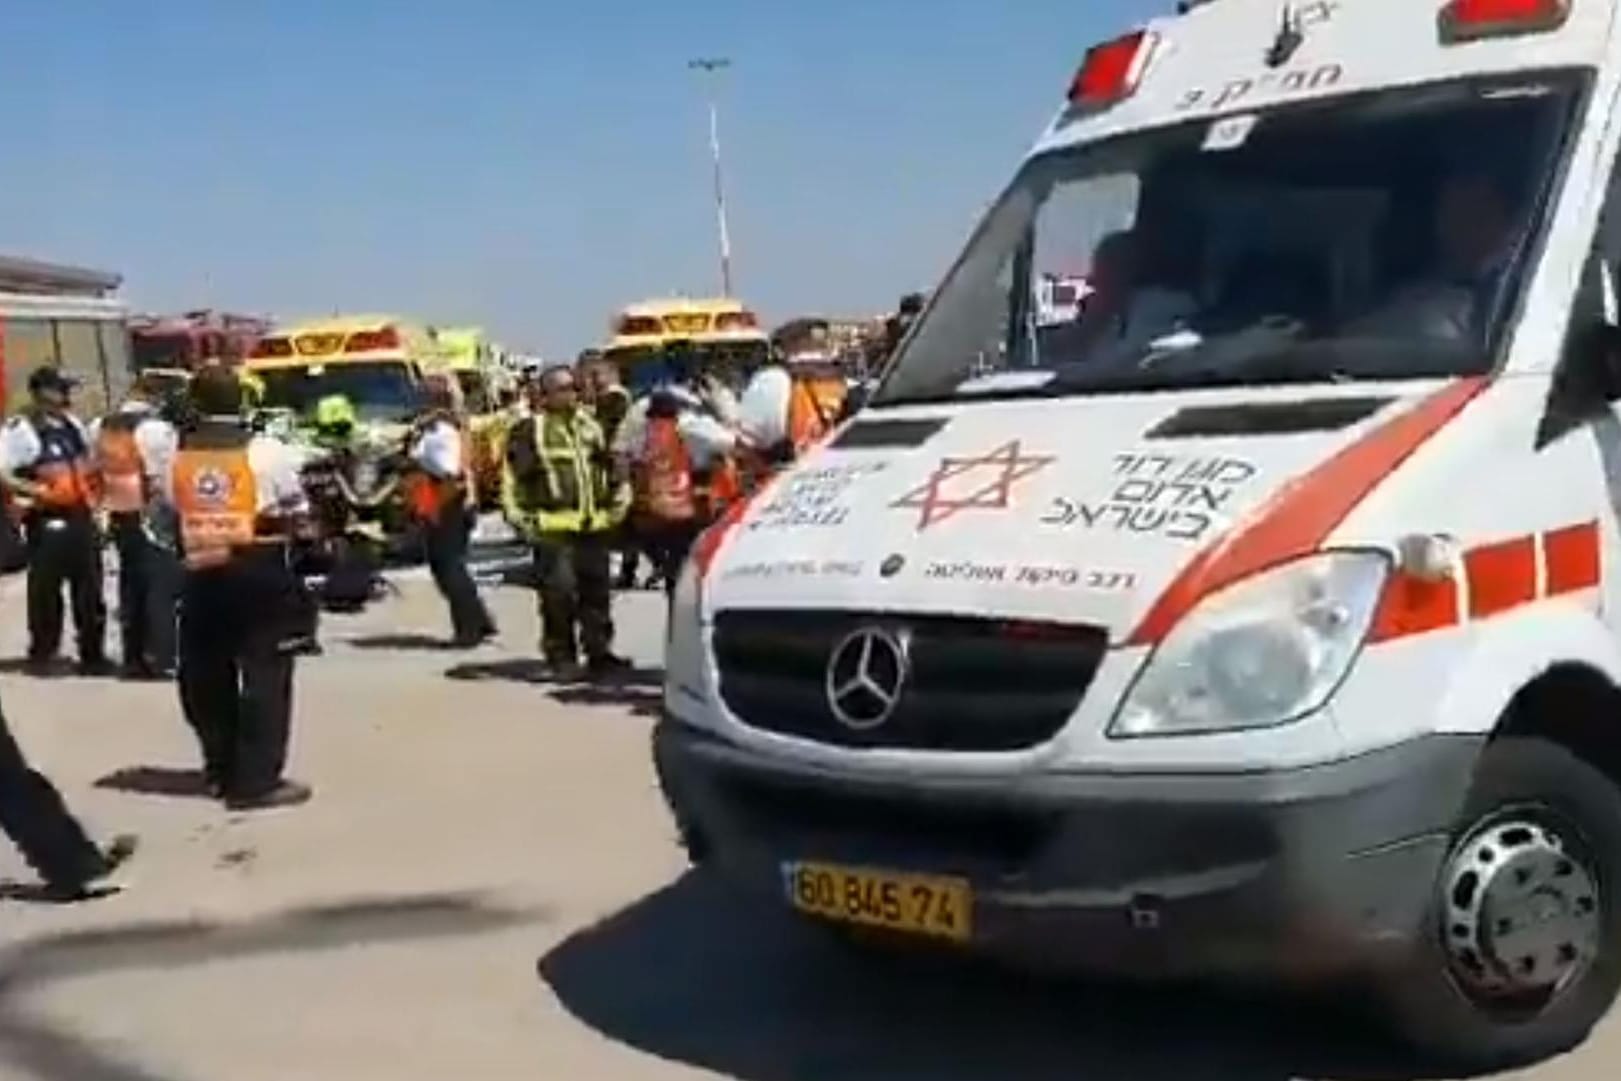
(439, 495)
(239, 502)
(562, 490)
(134, 447)
(46, 466)
(34, 816)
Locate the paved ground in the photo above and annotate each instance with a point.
(487, 887)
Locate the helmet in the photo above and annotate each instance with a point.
(253, 390)
(335, 411)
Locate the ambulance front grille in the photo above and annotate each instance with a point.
(972, 684)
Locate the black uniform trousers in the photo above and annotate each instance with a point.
(668, 544)
(236, 668)
(33, 815)
(148, 581)
(576, 602)
(446, 539)
(64, 549)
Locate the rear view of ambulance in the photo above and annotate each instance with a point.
(1257, 617)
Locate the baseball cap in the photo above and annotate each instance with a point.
(45, 377)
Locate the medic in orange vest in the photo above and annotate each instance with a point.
(134, 446)
(46, 466)
(439, 493)
(239, 501)
(789, 406)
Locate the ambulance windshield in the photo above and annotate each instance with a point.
(1385, 236)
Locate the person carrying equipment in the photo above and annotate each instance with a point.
(45, 464)
(439, 493)
(239, 503)
(562, 490)
(134, 447)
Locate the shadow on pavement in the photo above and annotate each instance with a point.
(50, 1054)
(514, 670)
(641, 699)
(425, 643)
(158, 781)
(697, 975)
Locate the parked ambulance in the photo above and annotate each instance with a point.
(1262, 621)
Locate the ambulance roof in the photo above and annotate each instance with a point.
(1219, 58)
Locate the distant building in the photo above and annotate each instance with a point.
(65, 316)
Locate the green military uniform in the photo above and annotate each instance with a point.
(561, 489)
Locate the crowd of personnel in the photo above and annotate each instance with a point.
(205, 510)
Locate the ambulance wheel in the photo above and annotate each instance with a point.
(1520, 955)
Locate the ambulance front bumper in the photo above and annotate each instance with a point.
(1297, 874)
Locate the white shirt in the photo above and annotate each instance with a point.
(763, 412)
(705, 436)
(438, 450)
(155, 440)
(20, 447)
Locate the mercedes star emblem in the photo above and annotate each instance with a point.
(865, 677)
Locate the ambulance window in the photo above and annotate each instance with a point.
(1377, 236)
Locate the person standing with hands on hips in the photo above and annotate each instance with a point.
(439, 494)
(45, 463)
(239, 503)
(562, 489)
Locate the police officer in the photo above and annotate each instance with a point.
(239, 502)
(134, 447)
(33, 815)
(45, 463)
(439, 495)
(563, 491)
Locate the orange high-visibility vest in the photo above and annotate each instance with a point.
(426, 495)
(123, 480)
(216, 500)
(662, 478)
(62, 471)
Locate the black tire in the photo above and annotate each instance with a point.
(1426, 1003)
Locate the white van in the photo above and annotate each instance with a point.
(1263, 621)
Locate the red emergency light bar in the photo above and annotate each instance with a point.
(370, 341)
(1472, 20)
(1111, 71)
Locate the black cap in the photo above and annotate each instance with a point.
(45, 377)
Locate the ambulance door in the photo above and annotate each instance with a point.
(1585, 398)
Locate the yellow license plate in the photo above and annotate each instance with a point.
(916, 904)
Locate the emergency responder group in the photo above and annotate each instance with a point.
(205, 513)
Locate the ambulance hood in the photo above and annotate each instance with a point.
(1073, 511)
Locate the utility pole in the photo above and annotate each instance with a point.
(710, 68)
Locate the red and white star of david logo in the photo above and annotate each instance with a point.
(984, 482)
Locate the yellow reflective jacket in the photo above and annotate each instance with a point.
(559, 477)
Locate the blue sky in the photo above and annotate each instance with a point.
(526, 165)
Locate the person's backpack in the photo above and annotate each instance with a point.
(663, 475)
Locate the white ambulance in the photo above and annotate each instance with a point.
(1263, 622)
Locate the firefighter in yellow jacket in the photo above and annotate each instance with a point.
(562, 489)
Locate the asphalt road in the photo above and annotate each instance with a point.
(487, 887)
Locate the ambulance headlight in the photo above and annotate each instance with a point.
(685, 696)
(1260, 653)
